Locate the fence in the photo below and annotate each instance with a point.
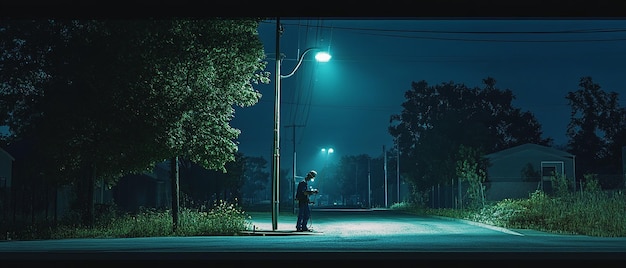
(450, 196)
(28, 204)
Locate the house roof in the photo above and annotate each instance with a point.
(527, 147)
(2, 151)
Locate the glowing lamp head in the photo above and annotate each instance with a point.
(322, 56)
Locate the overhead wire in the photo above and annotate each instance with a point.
(575, 31)
(295, 96)
(309, 87)
(296, 92)
(385, 32)
(305, 105)
(302, 96)
(500, 40)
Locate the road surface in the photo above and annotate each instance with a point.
(354, 235)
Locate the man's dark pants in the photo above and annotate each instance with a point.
(304, 213)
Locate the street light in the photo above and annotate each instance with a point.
(326, 152)
(321, 56)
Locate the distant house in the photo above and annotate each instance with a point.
(6, 169)
(149, 189)
(518, 171)
(6, 177)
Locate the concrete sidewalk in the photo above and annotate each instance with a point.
(286, 224)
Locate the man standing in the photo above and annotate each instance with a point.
(302, 195)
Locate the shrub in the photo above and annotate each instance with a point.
(560, 185)
(597, 214)
(223, 219)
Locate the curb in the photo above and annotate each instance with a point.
(495, 228)
(277, 233)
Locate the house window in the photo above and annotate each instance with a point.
(551, 168)
(547, 173)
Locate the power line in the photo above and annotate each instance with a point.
(348, 107)
(394, 108)
(301, 99)
(574, 31)
(501, 40)
(386, 33)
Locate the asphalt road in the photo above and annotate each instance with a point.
(351, 235)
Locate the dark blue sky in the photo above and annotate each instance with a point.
(346, 103)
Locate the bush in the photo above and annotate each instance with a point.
(593, 213)
(223, 219)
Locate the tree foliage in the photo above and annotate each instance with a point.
(437, 120)
(137, 92)
(597, 130)
(351, 176)
(105, 98)
(470, 168)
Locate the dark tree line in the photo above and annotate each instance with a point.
(438, 123)
(597, 133)
(437, 120)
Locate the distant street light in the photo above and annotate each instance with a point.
(321, 56)
(294, 183)
(326, 152)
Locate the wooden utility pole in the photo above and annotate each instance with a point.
(398, 174)
(293, 171)
(369, 184)
(385, 168)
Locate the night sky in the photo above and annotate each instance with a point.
(346, 103)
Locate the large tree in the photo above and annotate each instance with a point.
(597, 132)
(351, 177)
(437, 120)
(105, 98)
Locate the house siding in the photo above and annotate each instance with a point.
(517, 172)
(512, 167)
(496, 191)
(6, 169)
(147, 190)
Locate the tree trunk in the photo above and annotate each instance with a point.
(175, 192)
(46, 199)
(90, 192)
(31, 205)
(56, 203)
(85, 195)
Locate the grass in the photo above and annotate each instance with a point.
(223, 219)
(594, 214)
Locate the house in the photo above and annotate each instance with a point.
(148, 189)
(518, 171)
(6, 176)
(6, 169)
